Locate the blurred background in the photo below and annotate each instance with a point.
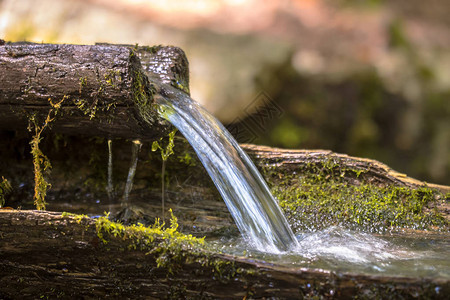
(366, 78)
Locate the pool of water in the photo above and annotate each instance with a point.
(344, 251)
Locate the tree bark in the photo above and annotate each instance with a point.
(106, 88)
(44, 254)
(373, 171)
(355, 170)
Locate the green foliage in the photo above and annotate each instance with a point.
(368, 4)
(168, 150)
(41, 162)
(187, 159)
(165, 153)
(5, 188)
(288, 134)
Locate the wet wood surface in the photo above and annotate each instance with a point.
(103, 87)
(44, 254)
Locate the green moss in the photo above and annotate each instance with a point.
(77, 217)
(113, 78)
(41, 163)
(323, 194)
(83, 105)
(170, 248)
(167, 244)
(83, 82)
(143, 95)
(152, 49)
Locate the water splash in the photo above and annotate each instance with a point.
(255, 211)
(337, 244)
(136, 147)
(342, 250)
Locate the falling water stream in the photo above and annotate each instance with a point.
(135, 148)
(247, 196)
(265, 232)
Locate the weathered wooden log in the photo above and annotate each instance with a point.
(105, 88)
(47, 255)
(369, 170)
(354, 170)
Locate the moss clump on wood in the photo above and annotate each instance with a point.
(77, 217)
(165, 243)
(326, 194)
(171, 249)
(142, 90)
(314, 206)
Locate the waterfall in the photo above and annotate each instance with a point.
(246, 194)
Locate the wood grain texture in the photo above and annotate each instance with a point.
(103, 87)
